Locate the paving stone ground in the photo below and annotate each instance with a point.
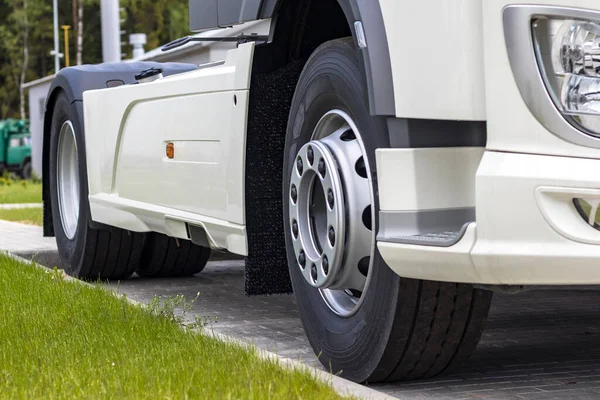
(537, 345)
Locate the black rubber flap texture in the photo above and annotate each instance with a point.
(270, 98)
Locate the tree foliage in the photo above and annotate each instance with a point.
(26, 37)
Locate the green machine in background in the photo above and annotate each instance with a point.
(15, 147)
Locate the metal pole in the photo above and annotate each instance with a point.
(56, 53)
(66, 28)
(111, 31)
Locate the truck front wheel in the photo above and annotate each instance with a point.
(363, 320)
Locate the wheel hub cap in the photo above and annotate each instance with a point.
(315, 224)
(68, 179)
(330, 213)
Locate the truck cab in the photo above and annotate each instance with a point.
(15, 147)
(391, 163)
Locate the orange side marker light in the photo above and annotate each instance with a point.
(170, 150)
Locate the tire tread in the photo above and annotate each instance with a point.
(111, 254)
(448, 322)
(165, 256)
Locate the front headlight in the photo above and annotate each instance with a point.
(568, 54)
(576, 48)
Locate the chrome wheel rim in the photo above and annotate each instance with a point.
(331, 214)
(68, 179)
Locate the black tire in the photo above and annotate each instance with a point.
(110, 253)
(165, 256)
(405, 328)
(26, 171)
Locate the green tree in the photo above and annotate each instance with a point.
(26, 38)
(161, 21)
(21, 40)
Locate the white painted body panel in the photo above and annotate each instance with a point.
(431, 262)
(516, 241)
(436, 52)
(203, 113)
(428, 178)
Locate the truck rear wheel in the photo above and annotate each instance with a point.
(363, 320)
(165, 256)
(85, 252)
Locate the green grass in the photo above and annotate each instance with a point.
(60, 339)
(12, 192)
(31, 216)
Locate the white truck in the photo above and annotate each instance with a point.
(391, 162)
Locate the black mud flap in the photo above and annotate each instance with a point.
(270, 99)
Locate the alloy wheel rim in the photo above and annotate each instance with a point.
(68, 179)
(331, 213)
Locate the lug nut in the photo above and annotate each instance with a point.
(310, 155)
(294, 193)
(302, 259)
(313, 272)
(331, 236)
(299, 166)
(321, 167)
(325, 265)
(295, 229)
(330, 198)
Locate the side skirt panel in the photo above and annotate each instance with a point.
(133, 181)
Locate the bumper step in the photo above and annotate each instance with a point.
(438, 239)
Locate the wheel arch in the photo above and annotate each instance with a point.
(208, 14)
(62, 83)
(58, 86)
(375, 56)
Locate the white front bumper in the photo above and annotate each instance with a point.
(527, 230)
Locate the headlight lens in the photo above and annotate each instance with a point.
(576, 48)
(568, 53)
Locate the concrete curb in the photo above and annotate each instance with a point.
(340, 385)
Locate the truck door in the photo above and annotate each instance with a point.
(207, 14)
